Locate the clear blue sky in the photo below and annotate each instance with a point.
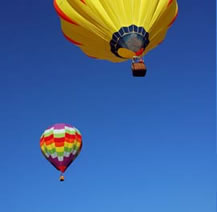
(149, 143)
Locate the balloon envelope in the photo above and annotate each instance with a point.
(116, 30)
(61, 144)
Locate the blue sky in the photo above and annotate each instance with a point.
(148, 143)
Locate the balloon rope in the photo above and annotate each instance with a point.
(61, 176)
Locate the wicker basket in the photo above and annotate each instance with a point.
(138, 69)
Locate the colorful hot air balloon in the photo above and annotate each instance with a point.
(116, 30)
(61, 144)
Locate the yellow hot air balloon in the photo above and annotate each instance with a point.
(116, 30)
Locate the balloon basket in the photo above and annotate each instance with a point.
(138, 69)
(61, 178)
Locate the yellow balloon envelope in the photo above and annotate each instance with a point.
(116, 30)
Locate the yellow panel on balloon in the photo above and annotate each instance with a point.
(126, 53)
(116, 30)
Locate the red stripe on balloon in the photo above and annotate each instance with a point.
(70, 138)
(83, 1)
(59, 140)
(169, 2)
(63, 15)
(138, 53)
(41, 141)
(67, 135)
(73, 41)
(48, 137)
(173, 20)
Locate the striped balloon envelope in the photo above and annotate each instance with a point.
(116, 30)
(61, 144)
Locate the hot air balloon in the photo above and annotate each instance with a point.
(116, 30)
(61, 144)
